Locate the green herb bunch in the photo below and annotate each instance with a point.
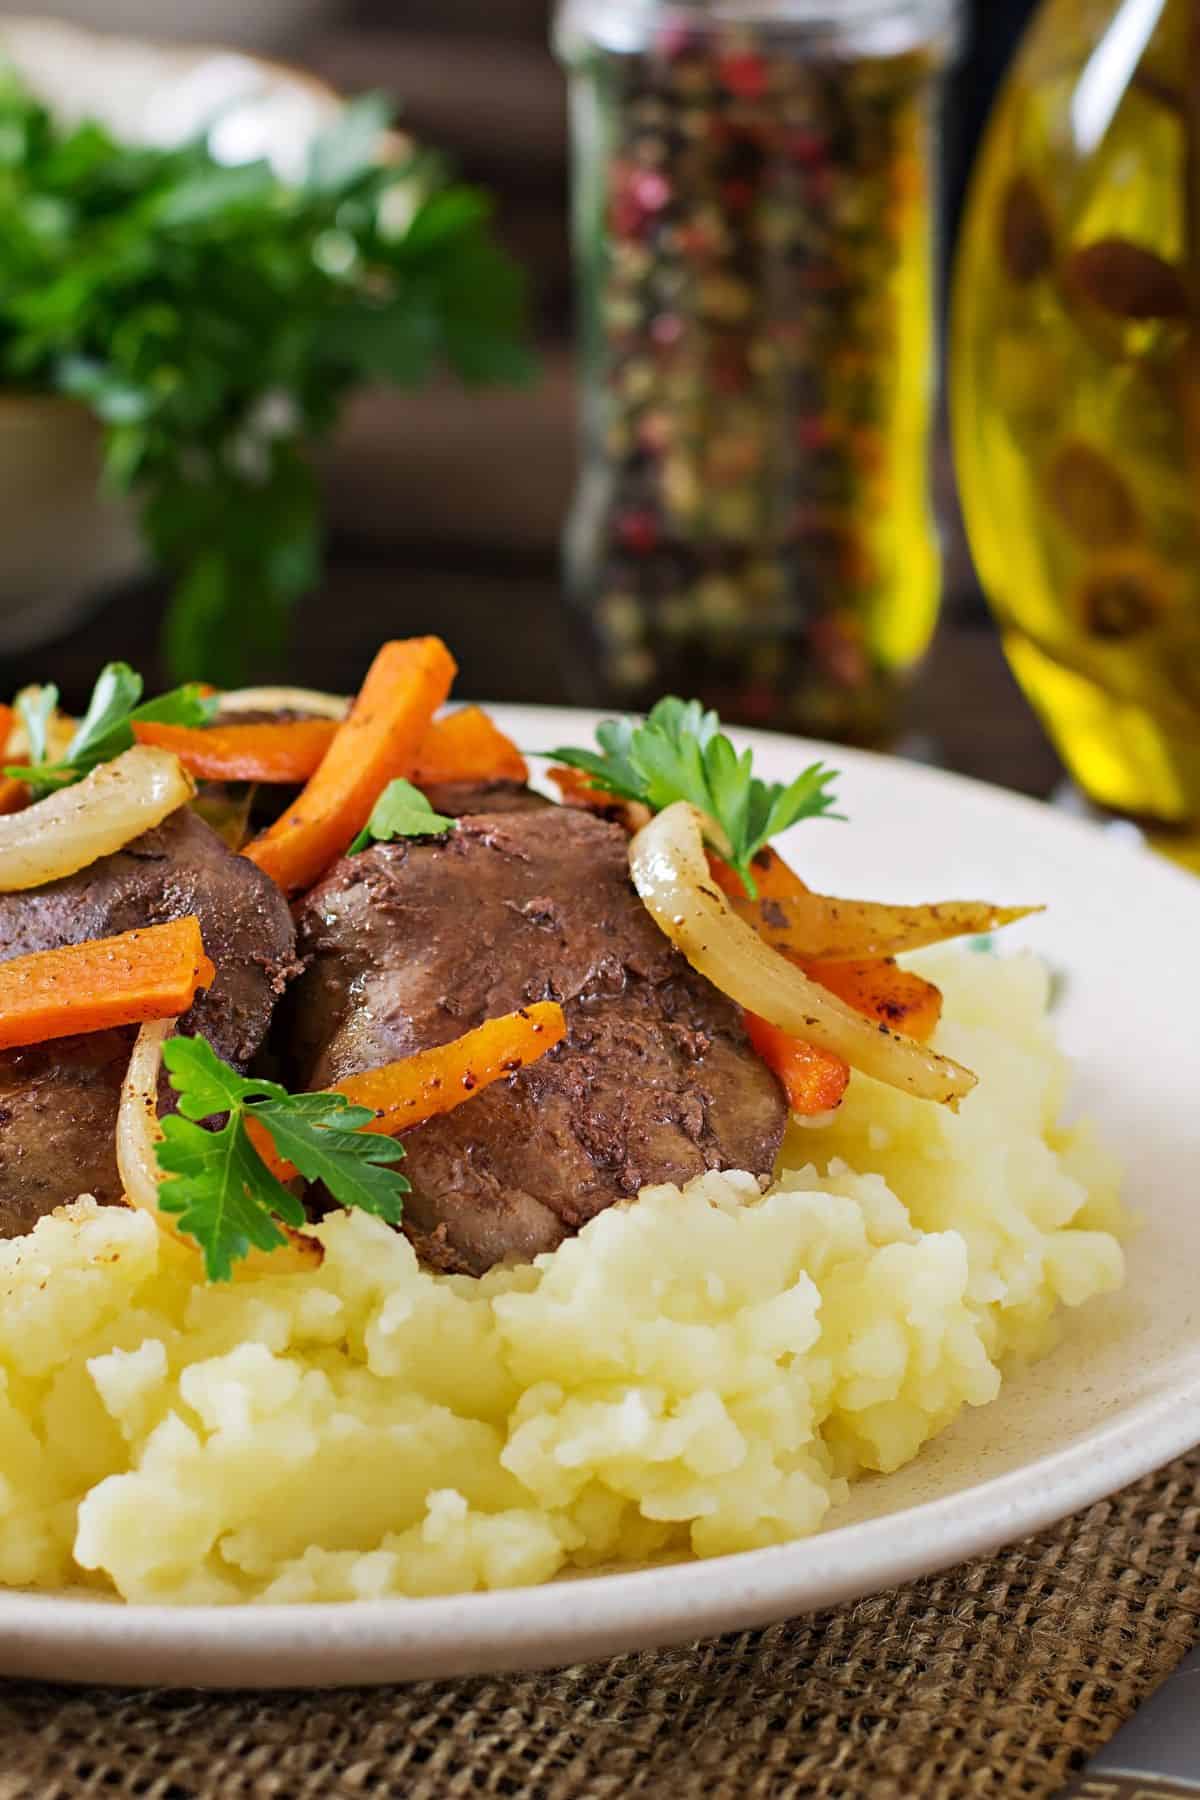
(214, 318)
(679, 752)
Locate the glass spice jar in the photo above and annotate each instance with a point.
(753, 190)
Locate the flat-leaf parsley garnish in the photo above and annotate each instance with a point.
(679, 752)
(106, 728)
(401, 811)
(218, 1187)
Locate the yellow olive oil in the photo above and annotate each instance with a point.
(1075, 388)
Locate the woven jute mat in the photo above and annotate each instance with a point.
(998, 1678)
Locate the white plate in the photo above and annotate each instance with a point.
(1121, 1396)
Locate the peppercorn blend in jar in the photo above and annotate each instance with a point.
(753, 199)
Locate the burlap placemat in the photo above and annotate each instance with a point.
(998, 1678)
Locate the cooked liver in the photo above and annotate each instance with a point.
(58, 1102)
(412, 943)
(455, 799)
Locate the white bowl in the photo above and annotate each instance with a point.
(62, 539)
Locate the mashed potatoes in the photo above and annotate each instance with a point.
(704, 1370)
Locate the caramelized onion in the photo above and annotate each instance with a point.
(138, 1129)
(670, 872)
(138, 1137)
(107, 809)
(818, 928)
(305, 701)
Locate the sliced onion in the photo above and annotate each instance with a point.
(818, 928)
(225, 808)
(139, 1132)
(283, 699)
(107, 809)
(670, 872)
(138, 1137)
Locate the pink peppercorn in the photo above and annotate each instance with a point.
(744, 75)
(808, 147)
(654, 433)
(649, 190)
(624, 215)
(675, 39)
(637, 533)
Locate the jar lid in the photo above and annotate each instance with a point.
(844, 27)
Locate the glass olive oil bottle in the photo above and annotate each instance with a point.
(1075, 388)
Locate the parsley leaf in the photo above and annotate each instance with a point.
(205, 1084)
(35, 708)
(222, 1193)
(401, 811)
(679, 752)
(106, 728)
(219, 1188)
(322, 1135)
(186, 705)
(117, 691)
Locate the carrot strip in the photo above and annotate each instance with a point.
(468, 746)
(898, 998)
(814, 1080)
(151, 973)
(406, 1093)
(13, 794)
(772, 877)
(875, 987)
(407, 682)
(577, 790)
(285, 751)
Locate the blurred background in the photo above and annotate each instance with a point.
(445, 506)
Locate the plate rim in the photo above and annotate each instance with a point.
(62, 1637)
(58, 1637)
